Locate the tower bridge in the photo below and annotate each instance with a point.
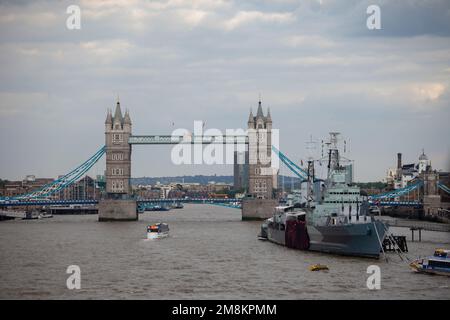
(119, 204)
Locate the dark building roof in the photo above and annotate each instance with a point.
(408, 166)
(118, 113)
(251, 118)
(127, 119)
(108, 118)
(259, 113)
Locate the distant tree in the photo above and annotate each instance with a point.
(3, 183)
(372, 185)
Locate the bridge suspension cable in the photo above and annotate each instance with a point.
(61, 182)
(299, 172)
(397, 192)
(443, 187)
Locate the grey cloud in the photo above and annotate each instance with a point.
(320, 71)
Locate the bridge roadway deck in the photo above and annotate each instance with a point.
(44, 202)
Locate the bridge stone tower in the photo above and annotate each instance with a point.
(259, 203)
(118, 153)
(117, 203)
(260, 150)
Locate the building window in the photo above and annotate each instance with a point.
(117, 171)
(117, 137)
(117, 185)
(117, 156)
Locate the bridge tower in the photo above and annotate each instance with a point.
(260, 150)
(118, 153)
(260, 202)
(117, 204)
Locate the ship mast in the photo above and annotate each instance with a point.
(333, 153)
(310, 146)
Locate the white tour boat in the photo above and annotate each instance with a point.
(157, 230)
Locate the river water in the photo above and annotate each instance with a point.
(210, 254)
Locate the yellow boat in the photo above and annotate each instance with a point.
(318, 267)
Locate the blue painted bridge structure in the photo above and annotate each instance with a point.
(43, 196)
(49, 202)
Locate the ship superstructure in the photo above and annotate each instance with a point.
(335, 216)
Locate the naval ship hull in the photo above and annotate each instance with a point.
(359, 239)
(276, 236)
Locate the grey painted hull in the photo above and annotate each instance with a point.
(276, 236)
(352, 239)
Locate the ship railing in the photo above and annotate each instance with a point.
(429, 226)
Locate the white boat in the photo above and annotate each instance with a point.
(157, 231)
(439, 263)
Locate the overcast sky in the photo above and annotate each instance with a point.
(314, 62)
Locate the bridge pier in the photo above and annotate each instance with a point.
(258, 209)
(117, 210)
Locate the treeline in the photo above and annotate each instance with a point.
(372, 185)
(201, 179)
(2, 183)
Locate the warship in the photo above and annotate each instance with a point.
(335, 216)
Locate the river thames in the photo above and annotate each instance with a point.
(210, 254)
